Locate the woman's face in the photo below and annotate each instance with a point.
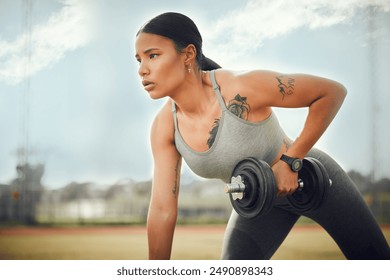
(161, 67)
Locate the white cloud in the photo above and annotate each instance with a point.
(247, 28)
(29, 53)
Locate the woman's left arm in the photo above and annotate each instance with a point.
(322, 96)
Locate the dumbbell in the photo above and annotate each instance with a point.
(252, 189)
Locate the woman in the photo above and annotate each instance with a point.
(215, 118)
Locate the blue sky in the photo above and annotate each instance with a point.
(74, 99)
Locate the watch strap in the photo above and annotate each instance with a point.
(292, 161)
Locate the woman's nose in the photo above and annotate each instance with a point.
(143, 69)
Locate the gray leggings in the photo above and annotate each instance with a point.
(344, 215)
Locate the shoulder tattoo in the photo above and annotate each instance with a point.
(239, 107)
(286, 85)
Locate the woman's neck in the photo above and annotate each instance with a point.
(196, 96)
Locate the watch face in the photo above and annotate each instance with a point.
(297, 165)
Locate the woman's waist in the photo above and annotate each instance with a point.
(220, 162)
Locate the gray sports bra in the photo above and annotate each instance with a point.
(236, 139)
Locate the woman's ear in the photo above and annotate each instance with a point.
(190, 54)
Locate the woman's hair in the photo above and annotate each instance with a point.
(183, 32)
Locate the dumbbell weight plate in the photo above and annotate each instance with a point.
(325, 186)
(260, 190)
(315, 186)
(271, 189)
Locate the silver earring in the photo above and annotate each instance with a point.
(189, 69)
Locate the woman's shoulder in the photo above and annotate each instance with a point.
(244, 75)
(164, 117)
(228, 81)
(244, 79)
(252, 83)
(163, 123)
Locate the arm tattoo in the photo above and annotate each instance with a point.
(286, 85)
(287, 143)
(176, 186)
(239, 107)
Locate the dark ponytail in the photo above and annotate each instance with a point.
(182, 31)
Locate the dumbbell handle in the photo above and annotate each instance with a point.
(237, 185)
(301, 185)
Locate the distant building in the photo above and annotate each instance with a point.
(19, 199)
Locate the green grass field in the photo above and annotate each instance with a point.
(130, 243)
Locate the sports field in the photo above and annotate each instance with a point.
(306, 242)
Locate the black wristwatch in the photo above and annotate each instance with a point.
(295, 163)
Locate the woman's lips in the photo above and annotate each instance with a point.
(148, 85)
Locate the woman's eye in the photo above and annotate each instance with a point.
(153, 56)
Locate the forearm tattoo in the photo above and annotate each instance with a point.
(239, 107)
(176, 183)
(286, 143)
(286, 85)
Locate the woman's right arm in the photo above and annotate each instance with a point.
(163, 206)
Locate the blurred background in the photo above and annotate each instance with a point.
(75, 120)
